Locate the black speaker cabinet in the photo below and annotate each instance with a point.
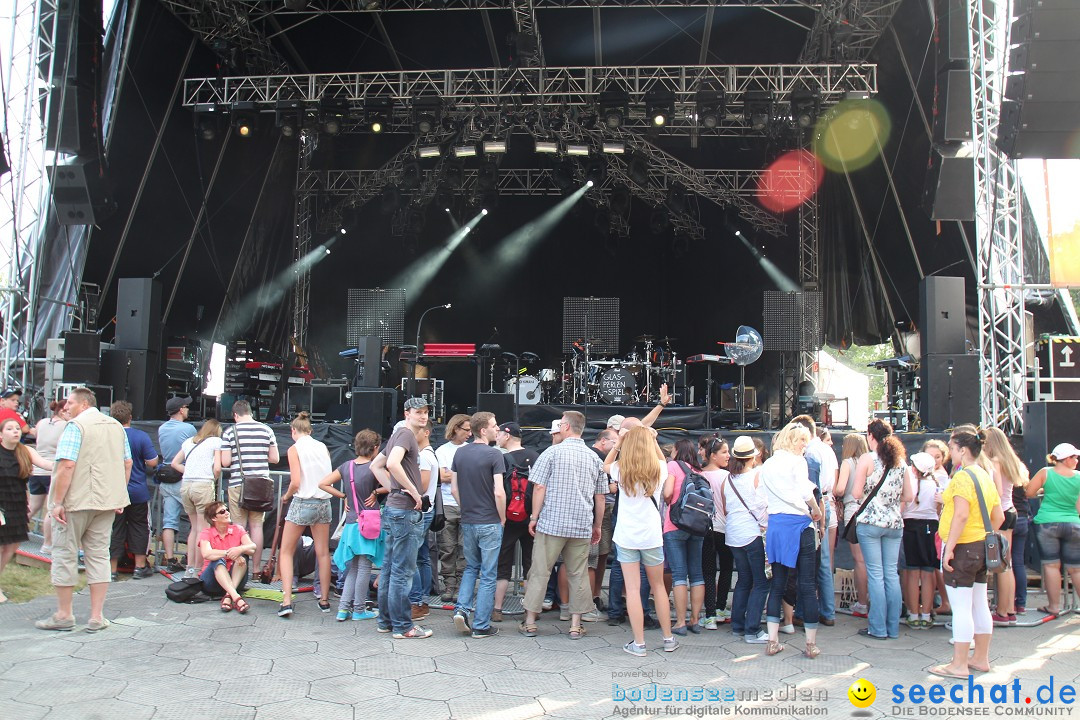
(942, 316)
(80, 191)
(949, 192)
(368, 362)
(138, 377)
(953, 45)
(138, 314)
(952, 119)
(949, 393)
(82, 358)
(1045, 425)
(502, 404)
(375, 409)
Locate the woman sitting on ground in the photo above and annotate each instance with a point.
(224, 547)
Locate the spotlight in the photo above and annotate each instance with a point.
(484, 211)
(492, 147)
(426, 114)
(589, 184)
(710, 107)
(758, 106)
(332, 113)
(207, 128)
(377, 113)
(343, 231)
(327, 251)
(464, 151)
(595, 170)
(738, 233)
(563, 175)
(547, 146)
(429, 151)
(614, 106)
(805, 107)
(659, 106)
(577, 150)
(614, 148)
(447, 209)
(287, 117)
(243, 118)
(207, 120)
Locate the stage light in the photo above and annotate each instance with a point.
(447, 209)
(492, 147)
(557, 121)
(328, 250)
(563, 175)
(614, 107)
(207, 120)
(207, 128)
(710, 108)
(378, 113)
(546, 146)
(484, 212)
(614, 148)
(343, 231)
(659, 106)
(577, 150)
(738, 233)
(287, 117)
(410, 175)
(596, 170)
(332, 113)
(805, 108)
(589, 184)
(427, 113)
(758, 107)
(464, 151)
(243, 118)
(429, 151)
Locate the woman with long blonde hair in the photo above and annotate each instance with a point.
(854, 448)
(1009, 473)
(640, 474)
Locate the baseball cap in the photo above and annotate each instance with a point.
(174, 404)
(615, 421)
(415, 403)
(511, 429)
(9, 392)
(556, 426)
(1062, 451)
(923, 462)
(744, 448)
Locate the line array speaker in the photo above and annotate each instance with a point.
(949, 192)
(952, 111)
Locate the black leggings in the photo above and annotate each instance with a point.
(716, 557)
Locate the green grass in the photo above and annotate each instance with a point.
(22, 584)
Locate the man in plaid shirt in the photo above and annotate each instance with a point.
(567, 511)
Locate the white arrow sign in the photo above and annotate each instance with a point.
(1066, 352)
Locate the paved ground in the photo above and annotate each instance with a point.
(163, 660)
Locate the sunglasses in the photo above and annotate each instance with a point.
(222, 511)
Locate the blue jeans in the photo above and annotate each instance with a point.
(481, 544)
(751, 590)
(683, 554)
(806, 590)
(404, 532)
(826, 590)
(616, 587)
(1019, 545)
(881, 550)
(421, 584)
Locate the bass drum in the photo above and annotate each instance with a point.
(618, 387)
(527, 388)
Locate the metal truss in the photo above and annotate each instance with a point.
(227, 27)
(256, 10)
(809, 279)
(309, 141)
(848, 30)
(525, 22)
(998, 243)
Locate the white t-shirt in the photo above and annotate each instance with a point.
(924, 507)
(639, 526)
(199, 459)
(744, 525)
(430, 462)
(445, 455)
(829, 467)
(786, 482)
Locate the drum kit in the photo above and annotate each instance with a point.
(630, 380)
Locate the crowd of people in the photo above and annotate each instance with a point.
(770, 516)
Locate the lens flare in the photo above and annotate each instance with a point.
(791, 180)
(849, 135)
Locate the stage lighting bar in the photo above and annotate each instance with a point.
(614, 107)
(577, 150)
(429, 151)
(805, 108)
(547, 146)
(758, 108)
(659, 107)
(464, 151)
(710, 108)
(378, 112)
(492, 147)
(614, 148)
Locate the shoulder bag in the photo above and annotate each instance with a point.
(256, 493)
(849, 533)
(997, 547)
(368, 520)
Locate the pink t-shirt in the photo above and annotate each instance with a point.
(234, 537)
(675, 471)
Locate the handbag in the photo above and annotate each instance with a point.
(167, 475)
(368, 521)
(997, 547)
(850, 533)
(256, 493)
(438, 519)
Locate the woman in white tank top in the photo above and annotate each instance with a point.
(309, 463)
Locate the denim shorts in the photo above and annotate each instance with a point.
(38, 484)
(171, 506)
(1059, 542)
(309, 511)
(648, 557)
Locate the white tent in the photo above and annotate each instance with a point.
(842, 382)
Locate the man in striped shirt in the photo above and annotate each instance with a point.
(253, 447)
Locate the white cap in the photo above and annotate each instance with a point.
(1064, 450)
(923, 462)
(555, 426)
(615, 421)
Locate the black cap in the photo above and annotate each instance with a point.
(511, 429)
(9, 392)
(174, 404)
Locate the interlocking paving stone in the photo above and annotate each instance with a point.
(213, 668)
(274, 649)
(351, 689)
(216, 619)
(59, 691)
(489, 705)
(12, 709)
(399, 706)
(758, 666)
(255, 691)
(150, 689)
(124, 668)
(198, 648)
(11, 688)
(107, 708)
(527, 683)
(589, 642)
(549, 660)
(304, 708)
(207, 708)
(472, 664)
(115, 649)
(437, 686)
(312, 667)
(832, 664)
(590, 676)
(248, 633)
(393, 667)
(615, 656)
(35, 670)
(37, 647)
(354, 647)
(172, 633)
(298, 631)
(578, 704)
(433, 646)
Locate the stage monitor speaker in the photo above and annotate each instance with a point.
(942, 315)
(82, 357)
(138, 314)
(953, 45)
(952, 119)
(502, 404)
(70, 128)
(369, 361)
(138, 377)
(949, 393)
(81, 191)
(1045, 425)
(375, 409)
(949, 192)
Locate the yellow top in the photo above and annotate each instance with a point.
(962, 486)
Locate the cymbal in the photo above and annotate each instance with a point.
(644, 338)
(668, 340)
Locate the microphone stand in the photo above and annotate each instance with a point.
(416, 360)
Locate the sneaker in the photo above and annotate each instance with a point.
(722, 616)
(54, 623)
(173, 565)
(365, 615)
(285, 610)
(449, 596)
(671, 644)
(564, 613)
(461, 621)
(760, 639)
(634, 649)
(859, 610)
(496, 616)
(114, 577)
(695, 628)
(594, 615)
(485, 632)
(97, 625)
(417, 632)
(787, 629)
(418, 612)
(342, 615)
(709, 624)
(382, 629)
(548, 604)
(1000, 620)
(1020, 610)
(144, 572)
(651, 623)
(614, 620)
(190, 573)
(912, 621)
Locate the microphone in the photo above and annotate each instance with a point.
(447, 306)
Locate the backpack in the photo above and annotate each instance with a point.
(186, 590)
(693, 511)
(517, 495)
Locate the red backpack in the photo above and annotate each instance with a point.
(517, 496)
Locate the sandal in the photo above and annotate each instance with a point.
(527, 629)
(773, 648)
(226, 604)
(577, 632)
(1046, 609)
(811, 651)
(240, 604)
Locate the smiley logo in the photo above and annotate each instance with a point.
(862, 693)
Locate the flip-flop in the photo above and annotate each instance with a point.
(1045, 609)
(940, 671)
